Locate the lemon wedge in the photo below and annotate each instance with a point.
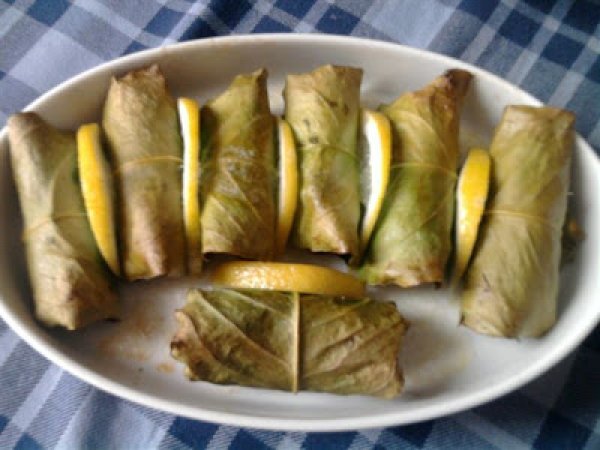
(288, 183)
(98, 192)
(304, 278)
(189, 121)
(471, 195)
(375, 150)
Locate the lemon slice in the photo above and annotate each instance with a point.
(303, 278)
(471, 195)
(288, 183)
(189, 120)
(375, 148)
(98, 192)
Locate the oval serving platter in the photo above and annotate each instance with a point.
(447, 367)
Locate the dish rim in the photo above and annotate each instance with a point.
(541, 365)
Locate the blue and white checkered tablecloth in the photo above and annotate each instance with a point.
(550, 49)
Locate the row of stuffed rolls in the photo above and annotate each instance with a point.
(411, 242)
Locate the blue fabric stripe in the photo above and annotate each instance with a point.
(336, 20)
(162, 23)
(160, 418)
(192, 433)
(59, 409)
(48, 11)
(594, 73)
(562, 50)
(585, 99)
(231, 12)
(519, 28)
(294, 7)
(19, 374)
(416, 434)
(27, 443)
(268, 25)
(584, 15)
(498, 55)
(21, 37)
(592, 342)
(85, 28)
(448, 433)
(3, 422)
(515, 413)
(198, 29)
(576, 401)
(244, 440)
(542, 79)
(541, 5)
(332, 441)
(104, 408)
(456, 35)
(481, 10)
(559, 433)
(135, 46)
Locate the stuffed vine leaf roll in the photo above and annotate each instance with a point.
(350, 346)
(322, 107)
(238, 171)
(71, 284)
(291, 341)
(239, 337)
(142, 130)
(512, 284)
(412, 239)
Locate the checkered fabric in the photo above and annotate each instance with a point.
(550, 49)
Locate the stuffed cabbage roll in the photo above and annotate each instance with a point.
(142, 131)
(412, 239)
(322, 107)
(71, 284)
(238, 171)
(291, 341)
(512, 284)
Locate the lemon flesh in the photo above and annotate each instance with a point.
(376, 149)
(288, 183)
(471, 195)
(98, 192)
(304, 278)
(189, 120)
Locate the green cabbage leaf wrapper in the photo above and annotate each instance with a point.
(411, 242)
(511, 286)
(291, 341)
(71, 284)
(238, 171)
(145, 147)
(322, 108)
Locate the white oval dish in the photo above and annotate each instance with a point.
(447, 367)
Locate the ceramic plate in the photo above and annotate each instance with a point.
(447, 367)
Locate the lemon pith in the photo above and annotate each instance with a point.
(288, 183)
(304, 278)
(471, 194)
(97, 190)
(189, 118)
(376, 140)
